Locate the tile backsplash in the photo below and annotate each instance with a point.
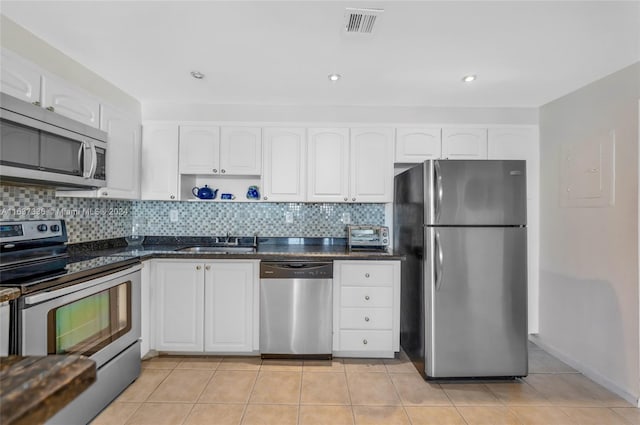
(246, 218)
(93, 219)
(87, 219)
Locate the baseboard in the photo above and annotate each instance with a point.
(586, 371)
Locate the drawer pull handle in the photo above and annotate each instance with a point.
(366, 275)
(365, 342)
(366, 297)
(366, 319)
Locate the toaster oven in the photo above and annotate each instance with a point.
(368, 237)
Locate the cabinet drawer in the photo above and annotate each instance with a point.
(373, 274)
(355, 296)
(366, 341)
(366, 318)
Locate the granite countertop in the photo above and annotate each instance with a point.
(269, 249)
(34, 388)
(8, 294)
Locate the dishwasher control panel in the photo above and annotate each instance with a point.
(296, 270)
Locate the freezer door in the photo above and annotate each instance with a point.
(471, 193)
(476, 297)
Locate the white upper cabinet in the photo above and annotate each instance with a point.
(284, 164)
(241, 151)
(464, 143)
(123, 154)
(371, 159)
(328, 162)
(199, 149)
(415, 145)
(19, 77)
(66, 99)
(160, 162)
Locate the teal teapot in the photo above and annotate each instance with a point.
(204, 192)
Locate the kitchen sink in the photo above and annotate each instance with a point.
(219, 249)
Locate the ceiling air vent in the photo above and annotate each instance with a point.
(361, 21)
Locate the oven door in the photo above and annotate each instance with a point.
(97, 318)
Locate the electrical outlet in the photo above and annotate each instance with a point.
(173, 216)
(288, 217)
(346, 218)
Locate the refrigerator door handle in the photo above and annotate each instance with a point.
(438, 269)
(439, 190)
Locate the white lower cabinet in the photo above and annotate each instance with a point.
(366, 308)
(205, 306)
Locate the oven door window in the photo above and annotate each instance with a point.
(87, 325)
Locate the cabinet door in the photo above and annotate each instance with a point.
(19, 77)
(123, 155)
(414, 145)
(328, 162)
(371, 171)
(160, 162)
(464, 143)
(522, 143)
(241, 151)
(66, 99)
(199, 149)
(284, 164)
(229, 306)
(179, 290)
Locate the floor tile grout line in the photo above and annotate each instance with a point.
(346, 378)
(246, 404)
(300, 394)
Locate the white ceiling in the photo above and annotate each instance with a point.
(524, 53)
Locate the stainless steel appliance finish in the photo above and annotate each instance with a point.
(462, 227)
(296, 309)
(117, 354)
(367, 237)
(40, 146)
(4, 328)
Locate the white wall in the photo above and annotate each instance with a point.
(34, 49)
(336, 114)
(589, 255)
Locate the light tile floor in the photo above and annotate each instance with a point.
(248, 391)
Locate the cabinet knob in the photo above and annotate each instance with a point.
(215, 170)
(51, 108)
(172, 197)
(104, 193)
(265, 198)
(353, 199)
(365, 342)
(366, 275)
(198, 267)
(346, 199)
(366, 318)
(207, 267)
(222, 171)
(366, 297)
(37, 103)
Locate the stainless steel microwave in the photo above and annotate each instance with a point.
(367, 237)
(42, 147)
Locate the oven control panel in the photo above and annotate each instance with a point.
(17, 231)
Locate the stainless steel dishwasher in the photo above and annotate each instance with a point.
(296, 309)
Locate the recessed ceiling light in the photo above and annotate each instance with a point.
(334, 77)
(469, 78)
(197, 75)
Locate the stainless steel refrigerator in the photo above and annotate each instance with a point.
(461, 224)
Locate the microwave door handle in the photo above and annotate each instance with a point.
(81, 158)
(86, 166)
(94, 160)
